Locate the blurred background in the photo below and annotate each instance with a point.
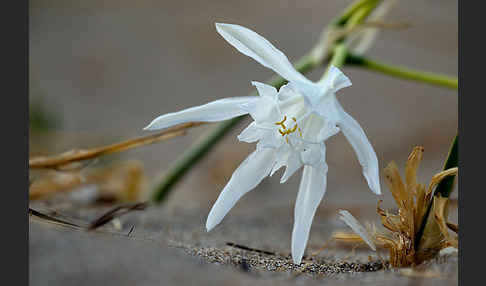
(101, 70)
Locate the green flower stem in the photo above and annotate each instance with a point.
(351, 10)
(338, 58)
(402, 72)
(360, 11)
(361, 14)
(197, 151)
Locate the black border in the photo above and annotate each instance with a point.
(14, 116)
(472, 197)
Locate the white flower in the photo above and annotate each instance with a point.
(290, 126)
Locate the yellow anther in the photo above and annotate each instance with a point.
(292, 130)
(284, 131)
(281, 123)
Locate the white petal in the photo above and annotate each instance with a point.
(217, 110)
(362, 147)
(349, 219)
(264, 111)
(314, 154)
(260, 49)
(282, 155)
(267, 137)
(246, 177)
(288, 91)
(251, 133)
(289, 157)
(335, 79)
(311, 190)
(292, 165)
(265, 89)
(317, 128)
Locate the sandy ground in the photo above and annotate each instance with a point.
(109, 67)
(168, 246)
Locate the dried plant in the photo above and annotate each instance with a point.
(120, 182)
(412, 199)
(67, 158)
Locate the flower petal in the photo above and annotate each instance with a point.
(314, 154)
(335, 79)
(311, 190)
(288, 157)
(217, 110)
(265, 90)
(251, 133)
(291, 166)
(260, 49)
(246, 177)
(362, 147)
(357, 227)
(265, 111)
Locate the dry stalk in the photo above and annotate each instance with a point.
(63, 159)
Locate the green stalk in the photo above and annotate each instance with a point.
(360, 11)
(361, 14)
(402, 72)
(197, 151)
(351, 10)
(338, 58)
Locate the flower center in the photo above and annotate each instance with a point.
(286, 131)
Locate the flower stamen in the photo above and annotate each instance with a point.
(285, 131)
(281, 123)
(300, 131)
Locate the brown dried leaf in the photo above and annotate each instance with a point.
(437, 178)
(410, 272)
(395, 184)
(411, 168)
(452, 226)
(346, 236)
(421, 205)
(433, 237)
(440, 215)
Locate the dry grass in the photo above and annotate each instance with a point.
(412, 199)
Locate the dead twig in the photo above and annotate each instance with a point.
(131, 229)
(249, 248)
(114, 213)
(48, 218)
(57, 161)
(102, 220)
